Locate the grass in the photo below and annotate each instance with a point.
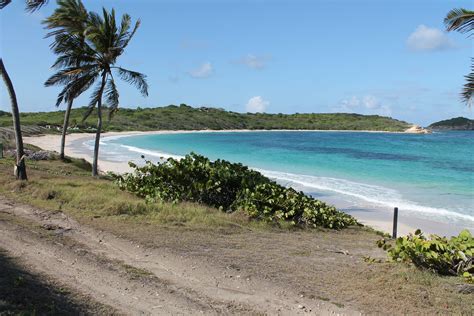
(184, 117)
(67, 186)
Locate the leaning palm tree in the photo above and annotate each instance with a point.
(70, 17)
(105, 41)
(462, 20)
(31, 5)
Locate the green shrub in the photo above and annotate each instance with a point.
(229, 187)
(445, 256)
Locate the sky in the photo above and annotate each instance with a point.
(391, 58)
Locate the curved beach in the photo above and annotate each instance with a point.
(377, 217)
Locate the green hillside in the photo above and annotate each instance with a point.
(184, 117)
(457, 123)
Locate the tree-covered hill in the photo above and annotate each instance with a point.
(184, 117)
(457, 123)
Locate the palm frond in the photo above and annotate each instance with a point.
(62, 77)
(111, 97)
(71, 60)
(96, 96)
(127, 37)
(65, 76)
(4, 3)
(66, 43)
(468, 89)
(460, 20)
(75, 88)
(70, 16)
(135, 78)
(93, 102)
(33, 5)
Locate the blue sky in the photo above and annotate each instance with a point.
(372, 57)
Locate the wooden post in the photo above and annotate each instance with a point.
(395, 222)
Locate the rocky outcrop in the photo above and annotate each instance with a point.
(33, 155)
(416, 129)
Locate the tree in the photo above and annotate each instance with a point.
(70, 17)
(31, 5)
(462, 20)
(97, 56)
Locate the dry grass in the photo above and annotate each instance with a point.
(67, 186)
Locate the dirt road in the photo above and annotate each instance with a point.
(128, 278)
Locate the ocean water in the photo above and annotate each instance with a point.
(427, 176)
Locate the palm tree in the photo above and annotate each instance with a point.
(31, 5)
(462, 20)
(104, 43)
(70, 17)
(20, 171)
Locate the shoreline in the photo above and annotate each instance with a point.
(376, 218)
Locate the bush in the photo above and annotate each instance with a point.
(452, 256)
(229, 187)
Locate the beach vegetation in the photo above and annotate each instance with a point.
(229, 187)
(85, 60)
(453, 256)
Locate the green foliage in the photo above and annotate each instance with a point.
(229, 187)
(188, 118)
(445, 256)
(273, 202)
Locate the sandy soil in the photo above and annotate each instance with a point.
(134, 268)
(137, 280)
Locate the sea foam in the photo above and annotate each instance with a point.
(377, 195)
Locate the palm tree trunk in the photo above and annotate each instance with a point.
(20, 161)
(95, 171)
(65, 126)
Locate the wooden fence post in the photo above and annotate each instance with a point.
(395, 222)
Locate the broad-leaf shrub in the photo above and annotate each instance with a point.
(229, 187)
(445, 256)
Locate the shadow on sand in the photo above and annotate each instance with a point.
(24, 293)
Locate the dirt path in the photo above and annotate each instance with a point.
(137, 280)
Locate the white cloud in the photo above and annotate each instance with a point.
(371, 102)
(351, 103)
(203, 71)
(254, 62)
(367, 104)
(257, 104)
(425, 38)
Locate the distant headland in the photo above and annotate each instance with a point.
(454, 124)
(184, 117)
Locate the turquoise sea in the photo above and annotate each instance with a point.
(428, 176)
